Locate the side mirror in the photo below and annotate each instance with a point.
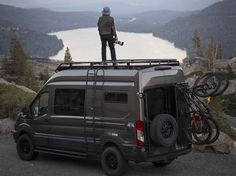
(25, 111)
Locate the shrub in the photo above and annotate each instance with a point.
(13, 100)
(229, 104)
(216, 106)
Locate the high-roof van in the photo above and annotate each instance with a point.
(115, 112)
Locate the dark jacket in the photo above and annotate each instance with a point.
(106, 25)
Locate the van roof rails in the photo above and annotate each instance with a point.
(135, 64)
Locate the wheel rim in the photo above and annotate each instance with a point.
(25, 147)
(111, 161)
(167, 129)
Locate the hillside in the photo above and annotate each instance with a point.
(217, 21)
(35, 44)
(47, 21)
(32, 26)
(147, 21)
(15, 97)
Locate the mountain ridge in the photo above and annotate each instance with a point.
(216, 22)
(32, 26)
(35, 44)
(46, 20)
(148, 20)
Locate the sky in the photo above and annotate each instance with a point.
(118, 6)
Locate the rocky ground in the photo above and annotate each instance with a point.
(6, 125)
(193, 164)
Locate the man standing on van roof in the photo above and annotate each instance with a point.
(107, 31)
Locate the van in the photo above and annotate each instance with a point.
(115, 112)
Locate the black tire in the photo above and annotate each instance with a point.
(202, 135)
(215, 130)
(25, 148)
(224, 83)
(206, 85)
(198, 136)
(164, 130)
(113, 163)
(162, 163)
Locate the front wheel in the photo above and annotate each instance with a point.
(25, 148)
(113, 162)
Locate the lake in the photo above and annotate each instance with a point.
(85, 45)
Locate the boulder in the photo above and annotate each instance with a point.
(224, 144)
(6, 125)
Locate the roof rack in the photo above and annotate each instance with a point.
(136, 64)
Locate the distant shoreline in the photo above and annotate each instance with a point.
(148, 45)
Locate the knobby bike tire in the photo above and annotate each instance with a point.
(192, 135)
(215, 130)
(201, 87)
(224, 83)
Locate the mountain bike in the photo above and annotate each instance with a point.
(211, 84)
(202, 128)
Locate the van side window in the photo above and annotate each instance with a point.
(115, 97)
(40, 106)
(69, 102)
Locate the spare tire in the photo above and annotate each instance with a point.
(164, 130)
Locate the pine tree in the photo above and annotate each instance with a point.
(5, 66)
(18, 59)
(45, 75)
(67, 57)
(29, 79)
(17, 66)
(210, 51)
(213, 53)
(219, 52)
(197, 44)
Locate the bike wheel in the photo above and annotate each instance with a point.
(206, 85)
(223, 85)
(198, 134)
(215, 130)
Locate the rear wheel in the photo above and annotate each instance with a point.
(198, 130)
(215, 130)
(162, 163)
(113, 162)
(25, 148)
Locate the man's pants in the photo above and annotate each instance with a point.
(104, 40)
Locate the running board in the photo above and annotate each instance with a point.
(61, 152)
